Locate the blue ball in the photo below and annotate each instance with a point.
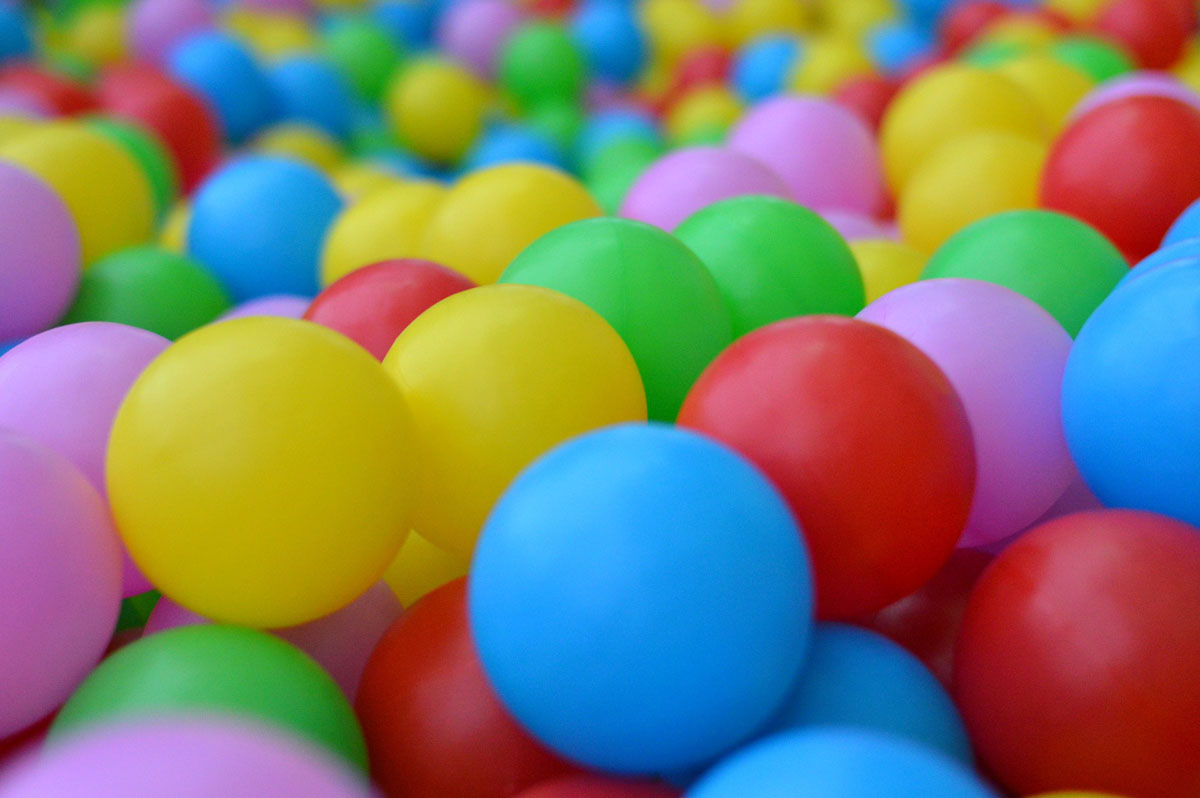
(408, 22)
(925, 12)
(641, 599)
(859, 679)
(896, 46)
(612, 42)
(311, 90)
(761, 68)
(608, 126)
(258, 225)
(16, 40)
(509, 143)
(224, 73)
(839, 763)
(1188, 249)
(1185, 227)
(1131, 395)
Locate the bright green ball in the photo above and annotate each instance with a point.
(1095, 57)
(539, 63)
(150, 155)
(364, 53)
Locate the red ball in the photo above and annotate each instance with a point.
(179, 118)
(56, 92)
(868, 96)
(599, 787)
(963, 22)
(1078, 663)
(1128, 168)
(434, 726)
(374, 304)
(1154, 31)
(866, 439)
(708, 66)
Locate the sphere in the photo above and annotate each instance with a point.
(869, 97)
(300, 142)
(103, 187)
(773, 259)
(1107, 704)
(762, 67)
(16, 38)
(536, 367)
(1138, 84)
(540, 63)
(1154, 31)
(684, 181)
(244, 538)
(436, 107)
(750, 19)
(824, 153)
(312, 90)
(507, 143)
(1185, 227)
(1059, 262)
(292, 205)
(282, 305)
(1183, 251)
(896, 46)
(385, 225)
(1125, 168)
(39, 273)
(374, 304)
(1005, 357)
(1054, 85)
(60, 565)
(1098, 58)
(740, 632)
(489, 216)
(364, 53)
(612, 128)
(210, 669)
(473, 31)
(420, 568)
(154, 27)
(651, 288)
(865, 437)
(702, 115)
(224, 72)
(150, 155)
(425, 702)
(945, 102)
(886, 265)
(49, 90)
(676, 28)
(828, 62)
(612, 43)
(614, 170)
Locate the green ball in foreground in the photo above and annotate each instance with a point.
(214, 669)
(1059, 262)
(1099, 59)
(774, 259)
(652, 289)
(150, 155)
(540, 63)
(152, 288)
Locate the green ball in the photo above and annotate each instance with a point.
(652, 289)
(540, 63)
(611, 172)
(211, 669)
(561, 120)
(151, 288)
(1059, 262)
(774, 259)
(990, 54)
(364, 53)
(1098, 58)
(150, 155)
(710, 136)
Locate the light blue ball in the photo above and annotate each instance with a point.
(860, 679)
(839, 763)
(761, 68)
(408, 22)
(612, 42)
(227, 76)
(641, 599)
(258, 225)
(16, 38)
(314, 91)
(608, 126)
(1185, 227)
(511, 143)
(1185, 250)
(1131, 395)
(896, 46)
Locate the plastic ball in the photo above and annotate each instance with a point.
(1098, 58)
(536, 368)
(1137, 84)
(436, 107)
(302, 143)
(358, 178)
(541, 63)
(95, 36)
(1059, 262)
(225, 670)
(387, 224)
(420, 568)
(511, 143)
(747, 20)
(39, 272)
(824, 153)
(762, 67)
(651, 288)
(1155, 31)
(154, 27)
(886, 265)
(807, 400)
(244, 537)
(489, 216)
(364, 53)
(773, 259)
(61, 565)
(473, 31)
(292, 205)
(150, 155)
(740, 632)
(313, 91)
(221, 70)
(1056, 86)
(869, 97)
(613, 45)
(1185, 227)
(599, 787)
(897, 46)
(49, 89)
(16, 37)
(827, 63)
(1183, 251)
(675, 28)
(611, 127)
(707, 111)
(1075, 659)
(425, 701)
(410, 24)
(612, 172)
(269, 34)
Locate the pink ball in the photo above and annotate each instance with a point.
(1005, 357)
(854, 227)
(156, 26)
(40, 266)
(158, 757)
(284, 305)
(1137, 84)
(684, 181)
(473, 32)
(60, 579)
(824, 152)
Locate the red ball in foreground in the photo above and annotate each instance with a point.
(599, 787)
(1154, 31)
(1077, 660)
(54, 91)
(434, 726)
(867, 441)
(373, 305)
(1128, 168)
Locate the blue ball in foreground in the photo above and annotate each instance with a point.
(258, 225)
(1186, 226)
(641, 599)
(761, 68)
(1186, 250)
(612, 42)
(222, 70)
(312, 90)
(839, 763)
(1131, 395)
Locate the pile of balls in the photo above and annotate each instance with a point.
(599, 398)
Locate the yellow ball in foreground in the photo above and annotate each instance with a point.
(496, 376)
(1055, 86)
(420, 568)
(886, 265)
(436, 107)
(387, 223)
(262, 471)
(491, 215)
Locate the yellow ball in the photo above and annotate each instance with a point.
(703, 109)
(968, 179)
(1188, 68)
(106, 191)
(261, 471)
(945, 103)
(1022, 31)
(855, 18)
(1054, 86)
(886, 265)
(436, 107)
(173, 235)
(421, 568)
(271, 35)
(496, 376)
(354, 181)
(386, 224)
(14, 126)
(678, 27)
(96, 35)
(303, 143)
(491, 215)
(748, 19)
(828, 62)
(1080, 11)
